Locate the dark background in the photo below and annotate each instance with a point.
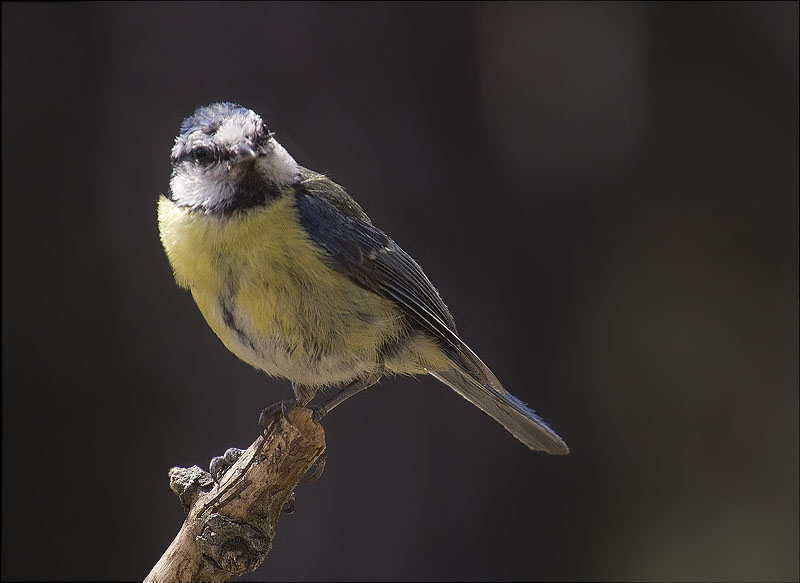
(605, 194)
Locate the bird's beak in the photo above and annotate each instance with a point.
(243, 153)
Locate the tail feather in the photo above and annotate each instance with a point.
(502, 406)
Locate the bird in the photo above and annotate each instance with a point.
(294, 278)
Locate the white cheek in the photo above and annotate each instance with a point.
(211, 187)
(279, 166)
(195, 187)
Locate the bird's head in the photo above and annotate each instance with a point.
(225, 159)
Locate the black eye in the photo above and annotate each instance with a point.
(201, 155)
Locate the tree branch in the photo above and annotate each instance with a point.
(230, 526)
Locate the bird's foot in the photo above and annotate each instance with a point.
(315, 473)
(222, 463)
(283, 407)
(288, 506)
(318, 412)
(264, 420)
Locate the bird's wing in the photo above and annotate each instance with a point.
(367, 255)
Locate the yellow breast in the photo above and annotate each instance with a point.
(265, 290)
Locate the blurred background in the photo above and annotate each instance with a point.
(606, 196)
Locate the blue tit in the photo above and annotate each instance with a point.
(293, 277)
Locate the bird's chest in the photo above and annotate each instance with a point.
(308, 324)
(267, 292)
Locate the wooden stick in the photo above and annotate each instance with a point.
(230, 525)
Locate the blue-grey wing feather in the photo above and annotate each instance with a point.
(367, 255)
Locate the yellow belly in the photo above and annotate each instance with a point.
(265, 290)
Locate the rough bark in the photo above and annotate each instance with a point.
(230, 525)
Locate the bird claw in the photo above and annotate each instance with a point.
(318, 412)
(222, 463)
(315, 473)
(265, 419)
(288, 506)
(283, 407)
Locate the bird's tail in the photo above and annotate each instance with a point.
(475, 382)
